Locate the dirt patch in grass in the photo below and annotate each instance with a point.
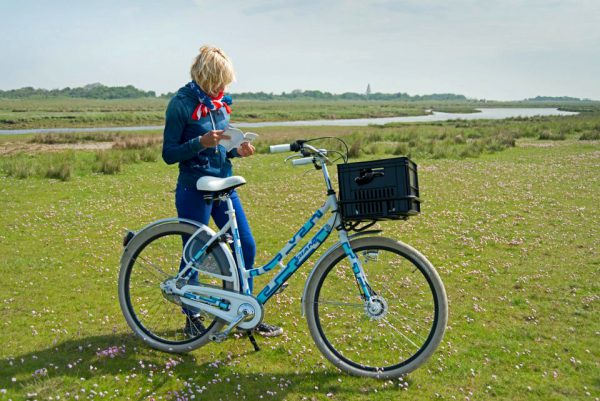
(543, 144)
(21, 147)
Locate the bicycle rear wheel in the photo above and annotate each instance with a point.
(153, 256)
(398, 331)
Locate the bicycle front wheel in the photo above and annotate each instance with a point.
(398, 330)
(153, 256)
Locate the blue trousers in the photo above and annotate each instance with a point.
(191, 205)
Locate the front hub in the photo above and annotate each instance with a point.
(376, 308)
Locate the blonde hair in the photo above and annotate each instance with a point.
(212, 70)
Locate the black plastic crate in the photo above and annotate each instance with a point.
(386, 189)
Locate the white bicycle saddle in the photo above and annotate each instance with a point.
(214, 184)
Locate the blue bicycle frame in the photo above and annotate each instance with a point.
(287, 270)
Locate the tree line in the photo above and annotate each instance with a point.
(316, 94)
(99, 91)
(556, 99)
(91, 91)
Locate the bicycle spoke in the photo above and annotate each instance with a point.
(337, 303)
(156, 268)
(381, 338)
(153, 308)
(158, 259)
(402, 334)
(414, 320)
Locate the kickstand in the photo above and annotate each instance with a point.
(253, 340)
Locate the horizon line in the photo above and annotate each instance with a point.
(281, 93)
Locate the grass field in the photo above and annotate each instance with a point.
(47, 113)
(74, 112)
(510, 219)
(69, 112)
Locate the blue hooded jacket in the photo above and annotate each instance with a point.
(181, 140)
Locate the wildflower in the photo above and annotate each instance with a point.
(40, 372)
(171, 363)
(111, 352)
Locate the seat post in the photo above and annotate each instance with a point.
(237, 242)
(230, 212)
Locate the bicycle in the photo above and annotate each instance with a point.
(375, 307)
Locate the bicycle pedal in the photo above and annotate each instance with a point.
(219, 337)
(281, 289)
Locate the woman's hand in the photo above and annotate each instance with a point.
(245, 149)
(211, 138)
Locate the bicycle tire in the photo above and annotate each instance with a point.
(379, 354)
(129, 298)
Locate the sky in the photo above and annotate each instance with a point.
(499, 49)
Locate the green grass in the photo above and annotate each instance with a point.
(48, 113)
(514, 235)
(456, 108)
(64, 112)
(69, 112)
(73, 112)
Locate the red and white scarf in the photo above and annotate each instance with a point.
(208, 103)
(218, 101)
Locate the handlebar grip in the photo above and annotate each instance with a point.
(302, 161)
(280, 148)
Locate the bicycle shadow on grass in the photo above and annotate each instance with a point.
(106, 362)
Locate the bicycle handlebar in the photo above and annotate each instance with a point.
(291, 147)
(307, 153)
(302, 161)
(280, 148)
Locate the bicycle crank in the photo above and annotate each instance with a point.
(245, 313)
(237, 310)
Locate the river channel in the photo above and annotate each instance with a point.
(483, 114)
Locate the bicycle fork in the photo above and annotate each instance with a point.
(375, 307)
(357, 269)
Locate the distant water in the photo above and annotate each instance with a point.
(484, 113)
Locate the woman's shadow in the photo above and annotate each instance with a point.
(126, 359)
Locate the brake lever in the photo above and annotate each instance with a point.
(293, 157)
(305, 152)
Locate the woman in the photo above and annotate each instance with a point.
(195, 120)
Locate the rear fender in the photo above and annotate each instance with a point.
(133, 238)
